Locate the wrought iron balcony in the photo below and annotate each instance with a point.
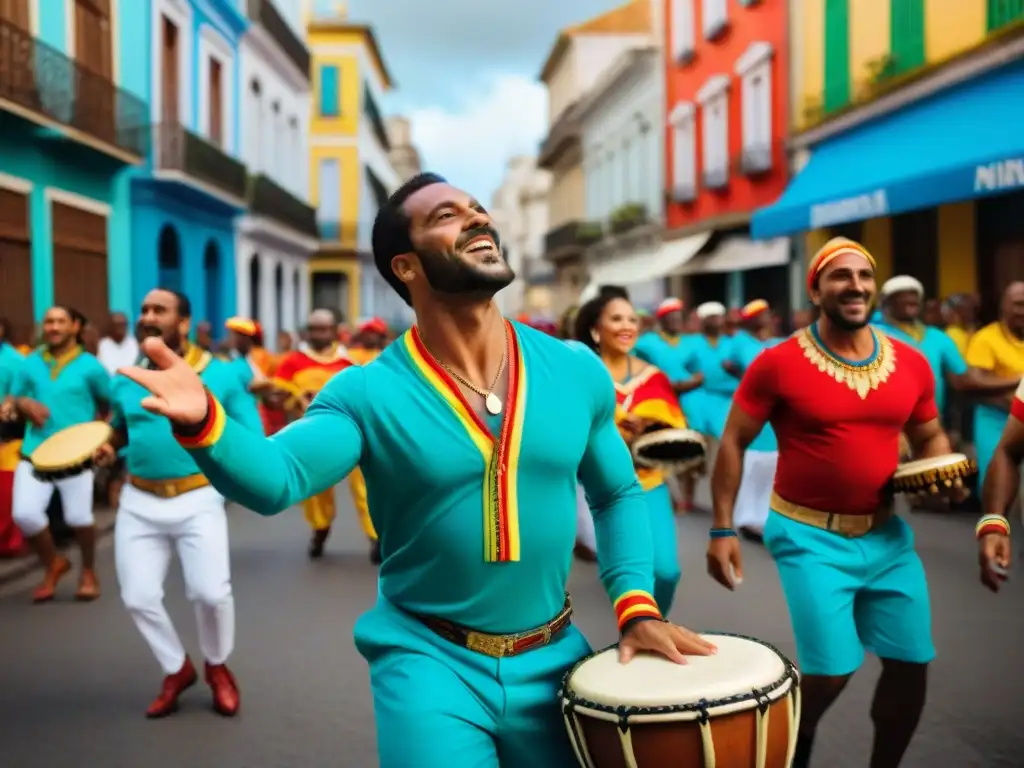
(565, 131)
(265, 14)
(182, 152)
(48, 87)
(268, 199)
(756, 160)
(370, 107)
(571, 236)
(716, 178)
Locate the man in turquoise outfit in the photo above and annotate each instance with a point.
(707, 355)
(58, 386)
(167, 506)
(470, 431)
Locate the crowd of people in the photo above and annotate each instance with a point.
(480, 452)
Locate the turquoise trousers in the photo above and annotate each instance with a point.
(438, 705)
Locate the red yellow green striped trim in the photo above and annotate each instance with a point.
(212, 428)
(633, 605)
(992, 524)
(501, 455)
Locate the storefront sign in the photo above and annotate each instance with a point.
(857, 208)
(996, 177)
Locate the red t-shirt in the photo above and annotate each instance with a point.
(836, 451)
(1017, 406)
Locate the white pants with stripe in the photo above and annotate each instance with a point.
(148, 532)
(32, 496)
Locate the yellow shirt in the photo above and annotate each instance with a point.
(960, 336)
(995, 349)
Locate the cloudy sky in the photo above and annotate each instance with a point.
(466, 74)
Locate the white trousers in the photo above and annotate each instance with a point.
(32, 496)
(148, 531)
(754, 496)
(584, 521)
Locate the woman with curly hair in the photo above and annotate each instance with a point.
(609, 326)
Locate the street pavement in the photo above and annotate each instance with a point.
(75, 679)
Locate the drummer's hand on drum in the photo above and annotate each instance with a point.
(994, 559)
(725, 564)
(175, 390)
(105, 455)
(33, 411)
(664, 638)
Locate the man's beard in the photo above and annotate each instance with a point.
(831, 311)
(171, 338)
(450, 275)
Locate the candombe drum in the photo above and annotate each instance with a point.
(70, 451)
(739, 708)
(672, 450)
(935, 476)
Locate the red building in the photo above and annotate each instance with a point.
(727, 91)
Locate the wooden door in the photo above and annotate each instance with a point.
(216, 103)
(80, 262)
(95, 94)
(170, 91)
(17, 54)
(16, 266)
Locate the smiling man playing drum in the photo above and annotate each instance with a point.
(475, 503)
(838, 394)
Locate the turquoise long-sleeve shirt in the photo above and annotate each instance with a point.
(152, 451)
(74, 389)
(10, 361)
(424, 456)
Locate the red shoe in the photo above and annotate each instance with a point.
(174, 685)
(45, 592)
(226, 699)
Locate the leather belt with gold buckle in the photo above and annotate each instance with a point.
(170, 488)
(499, 646)
(851, 526)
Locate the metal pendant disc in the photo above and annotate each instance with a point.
(493, 404)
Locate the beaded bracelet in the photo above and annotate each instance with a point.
(989, 524)
(722, 533)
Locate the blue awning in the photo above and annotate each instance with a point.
(963, 143)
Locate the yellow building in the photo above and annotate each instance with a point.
(901, 120)
(350, 171)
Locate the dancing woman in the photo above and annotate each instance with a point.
(609, 325)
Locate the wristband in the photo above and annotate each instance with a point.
(722, 533)
(633, 605)
(989, 524)
(206, 432)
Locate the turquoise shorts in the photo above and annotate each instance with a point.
(850, 595)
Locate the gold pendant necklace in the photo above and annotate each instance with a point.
(492, 402)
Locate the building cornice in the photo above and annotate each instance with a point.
(272, 234)
(628, 67)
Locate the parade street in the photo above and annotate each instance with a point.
(76, 678)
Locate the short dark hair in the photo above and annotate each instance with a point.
(391, 230)
(184, 304)
(590, 313)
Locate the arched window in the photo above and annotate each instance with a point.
(254, 287)
(211, 273)
(169, 258)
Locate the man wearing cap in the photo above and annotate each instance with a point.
(302, 374)
(754, 497)
(370, 339)
(838, 395)
(706, 355)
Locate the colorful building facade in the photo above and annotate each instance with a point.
(185, 199)
(727, 98)
(350, 172)
(73, 120)
(902, 113)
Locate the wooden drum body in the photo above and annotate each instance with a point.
(670, 450)
(935, 475)
(739, 708)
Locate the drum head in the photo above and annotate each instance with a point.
(668, 447)
(917, 466)
(740, 666)
(71, 446)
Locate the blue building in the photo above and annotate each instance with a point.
(73, 123)
(184, 200)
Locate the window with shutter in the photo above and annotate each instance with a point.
(330, 99)
(682, 24)
(1003, 12)
(716, 17)
(684, 152)
(837, 54)
(906, 34)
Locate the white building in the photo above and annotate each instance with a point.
(620, 127)
(278, 234)
(520, 213)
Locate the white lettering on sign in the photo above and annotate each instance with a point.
(1007, 174)
(857, 208)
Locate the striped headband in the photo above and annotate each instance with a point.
(753, 309)
(837, 246)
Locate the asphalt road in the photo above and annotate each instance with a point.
(75, 679)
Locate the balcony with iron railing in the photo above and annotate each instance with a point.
(265, 14)
(571, 236)
(179, 151)
(560, 136)
(47, 87)
(267, 198)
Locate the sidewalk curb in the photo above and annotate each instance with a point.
(12, 570)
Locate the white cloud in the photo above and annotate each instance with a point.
(471, 146)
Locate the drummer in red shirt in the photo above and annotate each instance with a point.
(838, 394)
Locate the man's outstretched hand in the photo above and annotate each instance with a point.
(175, 389)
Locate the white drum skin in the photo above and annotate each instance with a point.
(739, 708)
